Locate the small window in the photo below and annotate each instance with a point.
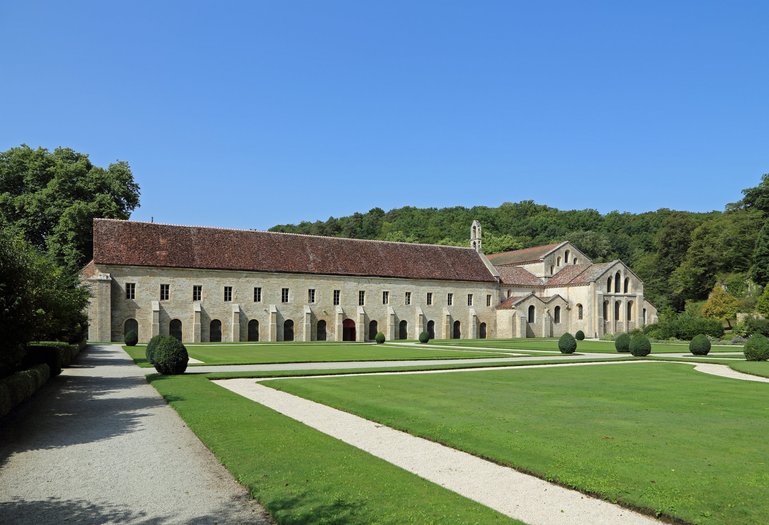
(130, 290)
(197, 292)
(336, 297)
(450, 299)
(532, 314)
(488, 300)
(311, 295)
(284, 295)
(257, 294)
(227, 294)
(429, 298)
(469, 299)
(557, 315)
(552, 269)
(165, 292)
(558, 261)
(576, 261)
(580, 312)
(408, 298)
(361, 298)
(385, 297)
(566, 257)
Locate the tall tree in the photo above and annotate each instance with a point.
(759, 271)
(51, 199)
(721, 305)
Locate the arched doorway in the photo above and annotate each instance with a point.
(253, 330)
(557, 315)
(130, 325)
(348, 330)
(457, 332)
(175, 329)
(321, 332)
(215, 331)
(431, 329)
(373, 328)
(288, 330)
(482, 331)
(403, 330)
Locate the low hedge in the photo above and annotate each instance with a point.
(170, 356)
(20, 386)
(622, 343)
(640, 346)
(149, 352)
(67, 351)
(757, 348)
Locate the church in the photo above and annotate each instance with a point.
(203, 284)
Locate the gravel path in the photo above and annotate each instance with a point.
(99, 445)
(725, 371)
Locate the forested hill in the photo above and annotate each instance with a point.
(680, 255)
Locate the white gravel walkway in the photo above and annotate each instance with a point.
(99, 445)
(725, 371)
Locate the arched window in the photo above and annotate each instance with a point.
(215, 331)
(457, 332)
(431, 329)
(575, 260)
(373, 328)
(627, 284)
(403, 330)
(629, 313)
(580, 312)
(288, 330)
(617, 307)
(175, 329)
(644, 315)
(557, 315)
(606, 310)
(482, 331)
(509, 293)
(130, 325)
(348, 330)
(321, 331)
(532, 313)
(552, 269)
(566, 257)
(253, 330)
(617, 282)
(558, 261)
(608, 285)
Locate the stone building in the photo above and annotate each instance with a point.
(211, 284)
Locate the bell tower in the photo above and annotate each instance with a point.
(476, 237)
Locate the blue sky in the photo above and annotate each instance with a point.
(250, 114)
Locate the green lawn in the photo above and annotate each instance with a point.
(582, 346)
(757, 368)
(656, 436)
(303, 476)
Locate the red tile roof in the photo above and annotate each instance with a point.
(526, 255)
(515, 275)
(511, 301)
(129, 243)
(566, 274)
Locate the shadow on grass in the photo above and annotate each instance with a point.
(299, 510)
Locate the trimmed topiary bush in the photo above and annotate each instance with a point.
(640, 345)
(567, 344)
(131, 338)
(149, 353)
(622, 343)
(580, 335)
(379, 338)
(757, 348)
(424, 337)
(700, 345)
(170, 356)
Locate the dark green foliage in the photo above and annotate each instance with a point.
(622, 343)
(150, 350)
(759, 271)
(567, 344)
(756, 325)
(131, 338)
(580, 335)
(20, 386)
(53, 356)
(424, 337)
(170, 356)
(379, 338)
(640, 345)
(683, 326)
(757, 348)
(700, 345)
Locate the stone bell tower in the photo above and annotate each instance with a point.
(476, 238)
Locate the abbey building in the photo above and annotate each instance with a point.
(211, 284)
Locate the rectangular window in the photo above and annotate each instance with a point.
(385, 297)
(311, 295)
(450, 299)
(284, 295)
(227, 293)
(361, 298)
(488, 300)
(469, 299)
(336, 297)
(165, 292)
(130, 290)
(257, 294)
(429, 298)
(408, 298)
(197, 292)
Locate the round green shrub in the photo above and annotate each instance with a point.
(424, 337)
(131, 338)
(379, 338)
(757, 348)
(640, 345)
(567, 344)
(622, 343)
(700, 345)
(580, 335)
(149, 353)
(170, 356)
